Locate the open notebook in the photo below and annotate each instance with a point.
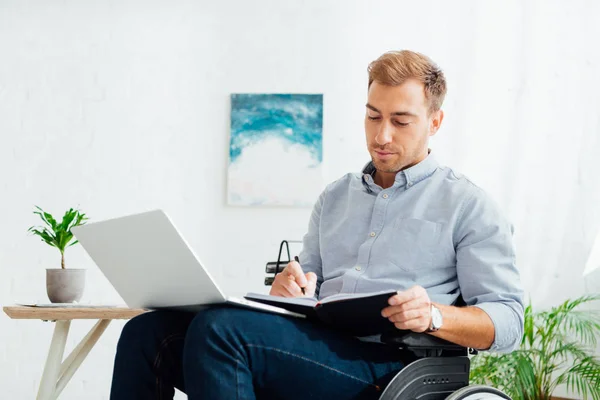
(355, 314)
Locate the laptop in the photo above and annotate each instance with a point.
(151, 266)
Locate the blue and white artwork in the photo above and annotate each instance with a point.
(276, 149)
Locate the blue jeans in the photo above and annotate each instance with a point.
(231, 353)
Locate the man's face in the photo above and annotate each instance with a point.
(398, 125)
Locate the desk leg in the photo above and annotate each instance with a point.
(74, 360)
(53, 362)
(58, 373)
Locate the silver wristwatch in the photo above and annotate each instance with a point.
(436, 319)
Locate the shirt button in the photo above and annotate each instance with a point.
(372, 234)
(358, 268)
(409, 184)
(385, 196)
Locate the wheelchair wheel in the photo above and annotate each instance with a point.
(478, 392)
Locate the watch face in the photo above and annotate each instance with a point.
(436, 318)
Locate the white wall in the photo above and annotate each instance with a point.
(122, 106)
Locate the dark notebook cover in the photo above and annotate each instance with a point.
(354, 314)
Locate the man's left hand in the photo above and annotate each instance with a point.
(409, 310)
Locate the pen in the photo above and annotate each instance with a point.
(298, 261)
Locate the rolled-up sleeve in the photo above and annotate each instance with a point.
(486, 268)
(310, 256)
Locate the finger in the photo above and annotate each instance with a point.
(405, 316)
(278, 289)
(294, 269)
(285, 285)
(311, 286)
(403, 296)
(286, 291)
(290, 286)
(275, 292)
(415, 325)
(419, 303)
(407, 295)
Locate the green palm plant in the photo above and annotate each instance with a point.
(557, 348)
(58, 234)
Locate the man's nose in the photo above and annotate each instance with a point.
(384, 136)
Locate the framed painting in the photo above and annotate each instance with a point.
(276, 149)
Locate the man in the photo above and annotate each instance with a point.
(406, 223)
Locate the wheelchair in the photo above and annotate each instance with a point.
(440, 370)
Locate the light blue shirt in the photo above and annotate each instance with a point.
(432, 228)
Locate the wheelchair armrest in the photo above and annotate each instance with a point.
(419, 342)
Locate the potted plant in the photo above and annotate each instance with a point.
(62, 285)
(557, 348)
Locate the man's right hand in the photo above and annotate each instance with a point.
(290, 281)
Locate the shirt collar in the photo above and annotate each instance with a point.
(406, 177)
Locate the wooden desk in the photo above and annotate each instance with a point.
(57, 373)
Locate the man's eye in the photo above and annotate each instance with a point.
(372, 118)
(402, 123)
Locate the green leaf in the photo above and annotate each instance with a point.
(528, 329)
(67, 219)
(557, 348)
(48, 218)
(45, 235)
(80, 220)
(585, 325)
(583, 377)
(55, 234)
(41, 215)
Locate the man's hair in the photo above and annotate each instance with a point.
(396, 67)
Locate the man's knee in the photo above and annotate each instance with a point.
(147, 328)
(136, 328)
(219, 325)
(216, 332)
(213, 320)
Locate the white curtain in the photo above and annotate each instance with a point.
(525, 124)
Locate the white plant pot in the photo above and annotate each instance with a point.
(65, 285)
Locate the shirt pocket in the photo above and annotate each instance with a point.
(416, 241)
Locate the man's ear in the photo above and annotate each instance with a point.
(435, 122)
